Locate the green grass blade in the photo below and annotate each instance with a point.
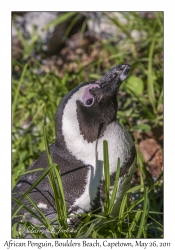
(57, 188)
(114, 192)
(88, 232)
(141, 166)
(144, 214)
(61, 192)
(133, 189)
(47, 147)
(83, 28)
(71, 25)
(121, 212)
(106, 176)
(52, 179)
(32, 171)
(123, 205)
(60, 19)
(56, 196)
(151, 92)
(17, 90)
(15, 231)
(133, 225)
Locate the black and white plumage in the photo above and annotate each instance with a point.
(85, 117)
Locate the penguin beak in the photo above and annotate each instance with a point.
(111, 81)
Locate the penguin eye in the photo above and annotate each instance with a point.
(89, 102)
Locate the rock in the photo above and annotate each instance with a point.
(152, 153)
(102, 27)
(32, 25)
(17, 48)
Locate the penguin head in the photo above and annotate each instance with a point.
(91, 106)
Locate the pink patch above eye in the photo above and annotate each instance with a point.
(87, 95)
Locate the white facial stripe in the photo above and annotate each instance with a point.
(123, 77)
(87, 95)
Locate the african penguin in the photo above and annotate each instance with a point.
(85, 117)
